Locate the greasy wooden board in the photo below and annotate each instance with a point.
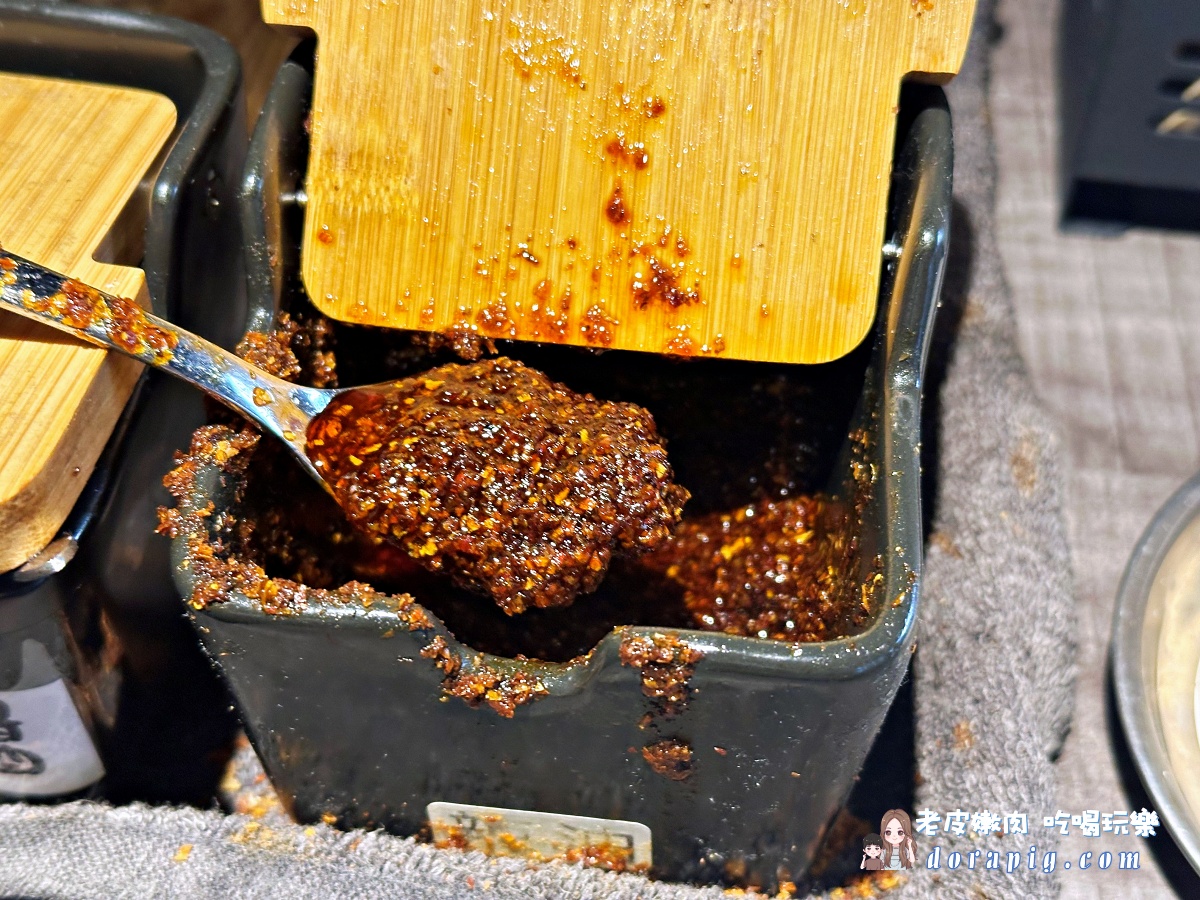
(564, 171)
(71, 156)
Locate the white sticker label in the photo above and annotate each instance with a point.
(610, 843)
(44, 749)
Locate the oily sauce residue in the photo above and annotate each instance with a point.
(270, 352)
(671, 758)
(662, 283)
(503, 691)
(607, 855)
(631, 153)
(598, 326)
(477, 684)
(513, 485)
(294, 351)
(616, 211)
(80, 306)
(666, 663)
(550, 318)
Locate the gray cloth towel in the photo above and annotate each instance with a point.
(993, 669)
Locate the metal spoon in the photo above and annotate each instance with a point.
(277, 406)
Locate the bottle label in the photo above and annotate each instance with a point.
(45, 750)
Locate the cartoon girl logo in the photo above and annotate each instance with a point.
(872, 859)
(899, 852)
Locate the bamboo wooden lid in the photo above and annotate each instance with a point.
(685, 178)
(71, 157)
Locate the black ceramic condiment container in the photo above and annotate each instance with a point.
(351, 721)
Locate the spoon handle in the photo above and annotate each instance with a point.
(279, 407)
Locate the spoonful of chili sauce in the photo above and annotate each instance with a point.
(513, 485)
